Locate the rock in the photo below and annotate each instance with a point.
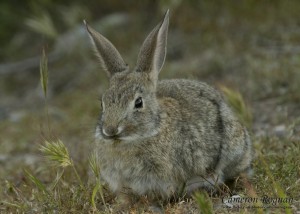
(280, 130)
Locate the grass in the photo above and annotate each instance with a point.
(204, 202)
(46, 195)
(46, 167)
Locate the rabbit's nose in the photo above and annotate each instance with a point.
(111, 131)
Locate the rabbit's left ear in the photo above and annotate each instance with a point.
(110, 59)
(153, 51)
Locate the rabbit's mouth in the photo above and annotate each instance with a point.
(120, 138)
(109, 138)
(125, 136)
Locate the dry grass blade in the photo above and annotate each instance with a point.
(58, 177)
(44, 72)
(57, 153)
(11, 204)
(36, 181)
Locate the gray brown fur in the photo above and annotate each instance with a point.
(185, 134)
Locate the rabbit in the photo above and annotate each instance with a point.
(155, 138)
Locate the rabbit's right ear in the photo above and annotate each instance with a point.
(110, 59)
(153, 51)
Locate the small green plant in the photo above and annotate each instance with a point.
(58, 154)
(204, 202)
(54, 151)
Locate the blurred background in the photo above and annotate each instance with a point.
(251, 47)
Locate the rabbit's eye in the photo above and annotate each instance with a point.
(138, 103)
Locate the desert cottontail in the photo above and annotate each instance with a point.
(155, 137)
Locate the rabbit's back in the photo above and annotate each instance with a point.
(197, 100)
(199, 123)
(209, 136)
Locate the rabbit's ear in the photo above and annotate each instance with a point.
(110, 59)
(153, 51)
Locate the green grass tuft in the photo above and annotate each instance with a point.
(204, 202)
(57, 153)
